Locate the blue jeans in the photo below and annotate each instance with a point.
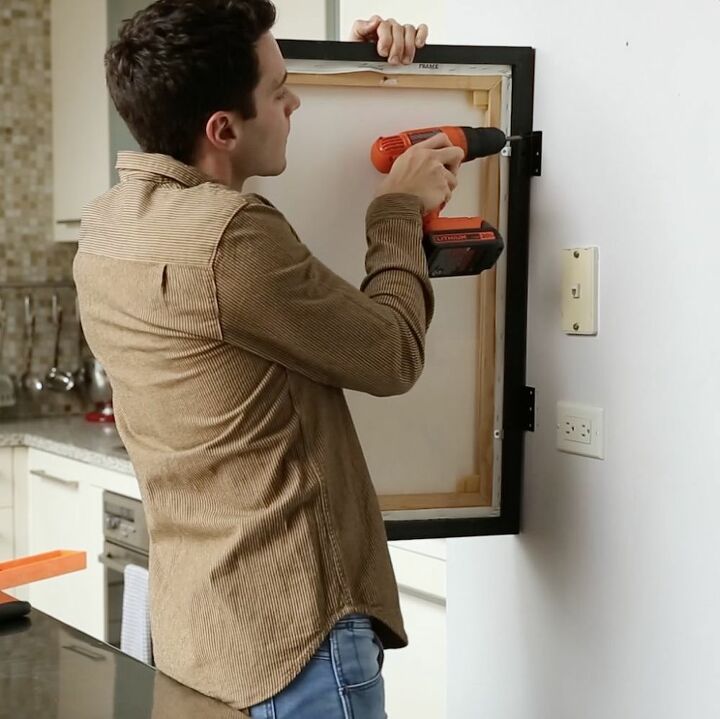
(343, 680)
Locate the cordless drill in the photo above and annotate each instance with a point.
(454, 246)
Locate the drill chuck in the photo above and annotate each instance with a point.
(483, 141)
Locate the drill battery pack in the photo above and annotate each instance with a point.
(456, 246)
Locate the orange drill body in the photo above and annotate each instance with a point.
(454, 246)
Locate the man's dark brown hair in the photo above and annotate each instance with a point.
(177, 62)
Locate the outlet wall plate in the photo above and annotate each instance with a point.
(581, 429)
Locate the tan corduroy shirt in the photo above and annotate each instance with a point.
(228, 346)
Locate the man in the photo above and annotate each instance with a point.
(228, 346)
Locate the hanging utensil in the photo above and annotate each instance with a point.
(79, 375)
(28, 381)
(7, 388)
(56, 379)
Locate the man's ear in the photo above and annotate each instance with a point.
(223, 130)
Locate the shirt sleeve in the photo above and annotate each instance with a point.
(277, 300)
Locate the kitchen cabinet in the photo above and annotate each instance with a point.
(79, 659)
(59, 505)
(86, 130)
(7, 546)
(80, 111)
(6, 478)
(65, 512)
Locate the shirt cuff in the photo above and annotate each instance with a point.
(392, 207)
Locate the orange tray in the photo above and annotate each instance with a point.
(40, 566)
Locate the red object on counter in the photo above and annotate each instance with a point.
(103, 412)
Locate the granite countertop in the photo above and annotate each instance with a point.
(72, 437)
(48, 669)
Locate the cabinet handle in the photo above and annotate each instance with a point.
(68, 222)
(52, 478)
(118, 565)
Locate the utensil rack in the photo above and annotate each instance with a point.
(22, 302)
(18, 298)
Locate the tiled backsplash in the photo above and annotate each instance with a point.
(27, 252)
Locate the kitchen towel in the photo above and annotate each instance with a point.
(135, 628)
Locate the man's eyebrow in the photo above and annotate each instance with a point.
(283, 81)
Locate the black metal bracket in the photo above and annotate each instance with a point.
(536, 153)
(531, 149)
(528, 411)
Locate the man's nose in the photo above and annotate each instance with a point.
(295, 103)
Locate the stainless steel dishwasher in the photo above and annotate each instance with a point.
(126, 542)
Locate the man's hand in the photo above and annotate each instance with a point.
(394, 41)
(427, 170)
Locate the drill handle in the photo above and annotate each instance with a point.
(429, 218)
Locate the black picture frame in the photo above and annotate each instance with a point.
(518, 399)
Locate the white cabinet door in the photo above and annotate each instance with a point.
(65, 513)
(87, 131)
(7, 545)
(80, 113)
(7, 526)
(6, 478)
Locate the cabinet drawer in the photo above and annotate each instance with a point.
(51, 467)
(7, 549)
(46, 464)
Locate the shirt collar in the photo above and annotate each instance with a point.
(129, 163)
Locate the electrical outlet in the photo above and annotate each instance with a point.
(580, 429)
(576, 429)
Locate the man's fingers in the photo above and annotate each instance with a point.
(451, 157)
(365, 29)
(447, 154)
(398, 48)
(385, 38)
(436, 141)
(421, 36)
(451, 179)
(396, 42)
(460, 158)
(409, 53)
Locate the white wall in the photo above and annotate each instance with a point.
(607, 605)
(415, 677)
(300, 20)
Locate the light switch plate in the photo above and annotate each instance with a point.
(579, 305)
(581, 429)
